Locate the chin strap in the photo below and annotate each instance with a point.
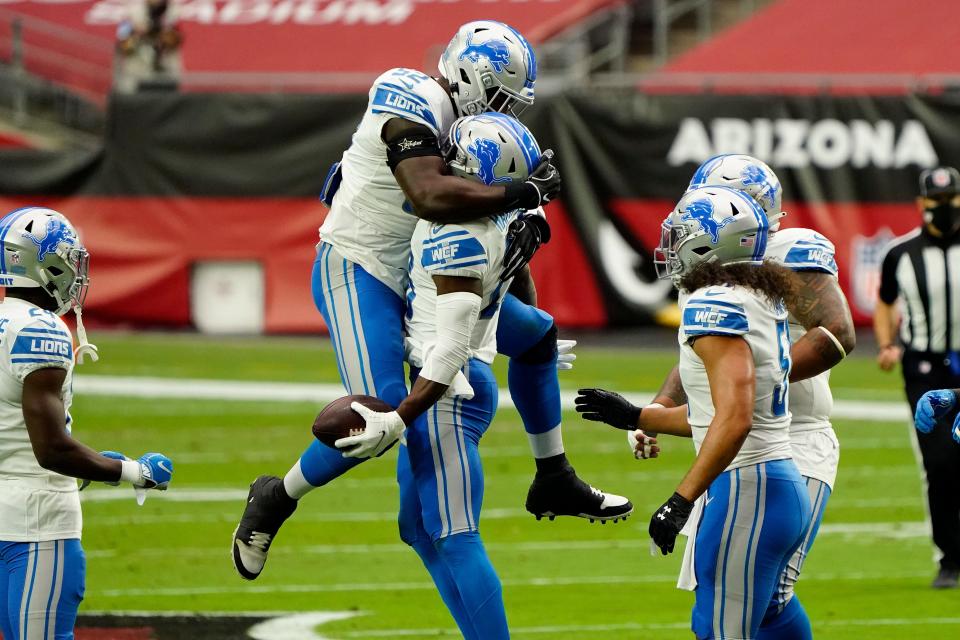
(85, 348)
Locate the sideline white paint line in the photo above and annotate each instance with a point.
(263, 391)
(426, 585)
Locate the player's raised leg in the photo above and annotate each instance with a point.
(529, 337)
(365, 319)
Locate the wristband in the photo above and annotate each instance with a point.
(130, 471)
(836, 343)
(521, 195)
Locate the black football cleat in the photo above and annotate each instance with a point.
(563, 493)
(268, 505)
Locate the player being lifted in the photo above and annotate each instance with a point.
(453, 309)
(822, 332)
(42, 566)
(392, 175)
(734, 366)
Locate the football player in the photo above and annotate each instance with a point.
(42, 565)
(822, 331)
(393, 174)
(734, 365)
(454, 296)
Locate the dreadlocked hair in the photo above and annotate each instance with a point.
(770, 279)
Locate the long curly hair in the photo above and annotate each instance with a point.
(770, 279)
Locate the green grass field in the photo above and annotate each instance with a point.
(868, 574)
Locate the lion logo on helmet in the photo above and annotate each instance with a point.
(702, 212)
(493, 50)
(487, 152)
(57, 232)
(753, 174)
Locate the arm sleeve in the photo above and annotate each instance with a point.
(457, 315)
(40, 344)
(889, 289)
(812, 252)
(714, 311)
(453, 250)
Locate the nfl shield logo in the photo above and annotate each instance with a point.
(867, 254)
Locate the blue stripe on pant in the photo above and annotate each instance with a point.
(41, 587)
(819, 493)
(365, 319)
(441, 494)
(754, 520)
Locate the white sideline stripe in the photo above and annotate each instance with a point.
(628, 626)
(427, 586)
(867, 531)
(263, 391)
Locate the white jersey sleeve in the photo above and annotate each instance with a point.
(803, 250)
(453, 250)
(411, 95)
(42, 342)
(713, 311)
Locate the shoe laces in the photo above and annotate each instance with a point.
(597, 492)
(260, 540)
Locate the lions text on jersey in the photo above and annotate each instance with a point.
(370, 221)
(738, 311)
(35, 504)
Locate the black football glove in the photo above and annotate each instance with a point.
(540, 187)
(524, 237)
(607, 406)
(668, 520)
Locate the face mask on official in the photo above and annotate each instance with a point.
(944, 215)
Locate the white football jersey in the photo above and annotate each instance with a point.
(472, 250)
(811, 401)
(35, 504)
(370, 221)
(738, 311)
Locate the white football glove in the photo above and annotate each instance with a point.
(565, 354)
(642, 445)
(383, 429)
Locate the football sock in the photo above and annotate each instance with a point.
(790, 624)
(478, 584)
(317, 466)
(446, 586)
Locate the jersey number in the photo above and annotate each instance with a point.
(779, 407)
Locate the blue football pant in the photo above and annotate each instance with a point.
(441, 494)
(41, 586)
(754, 520)
(365, 319)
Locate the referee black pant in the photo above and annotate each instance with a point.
(924, 372)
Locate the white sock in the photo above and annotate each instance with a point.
(546, 445)
(295, 484)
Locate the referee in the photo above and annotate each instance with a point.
(922, 270)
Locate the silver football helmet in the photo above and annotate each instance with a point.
(711, 224)
(490, 67)
(744, 173)
(492, 148)
(40, 248)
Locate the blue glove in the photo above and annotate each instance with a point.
(154, 470)
(933, 406)
(956, 429)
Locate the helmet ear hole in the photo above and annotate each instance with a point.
(700, 250)
(55, 271)
(463, 77)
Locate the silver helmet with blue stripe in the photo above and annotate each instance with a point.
(490, 67)
(492, 148)
(747, 174)
(711, 224)
(40, 248)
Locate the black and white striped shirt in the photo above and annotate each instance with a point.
(924, 272)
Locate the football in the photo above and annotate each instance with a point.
(337, 420)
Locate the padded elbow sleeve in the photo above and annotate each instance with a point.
(456, 318)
